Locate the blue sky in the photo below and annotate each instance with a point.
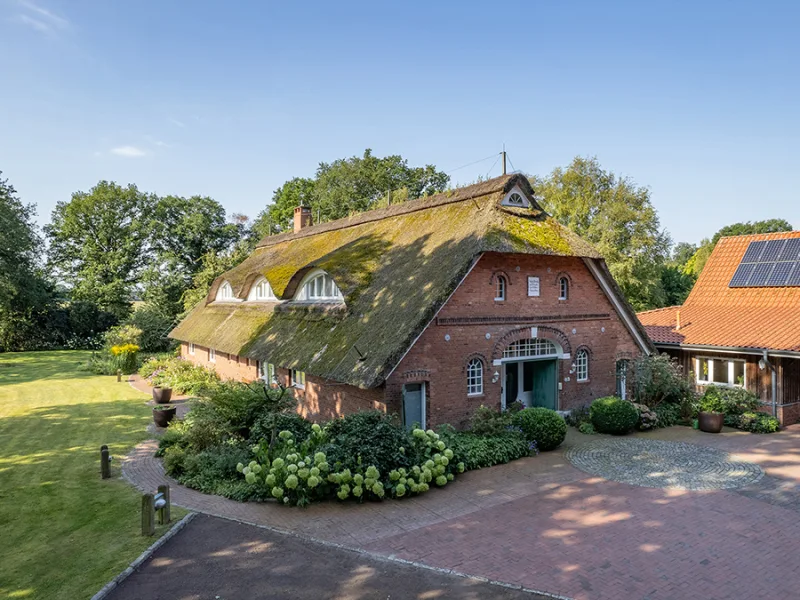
(698, 101)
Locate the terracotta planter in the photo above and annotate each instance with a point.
(710, 422)
(162, 395)
(162, 415)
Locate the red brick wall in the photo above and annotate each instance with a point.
(227, 366)
(442, 363)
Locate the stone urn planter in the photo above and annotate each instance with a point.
(710, 422)
(163, 414)
(162, 395)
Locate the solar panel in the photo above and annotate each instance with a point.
(791, 251)
(772, 250)
(794, 276)
(780, 274)
(760, 274)
(742, 275)
(753, 252)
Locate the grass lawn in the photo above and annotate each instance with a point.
(65, 532)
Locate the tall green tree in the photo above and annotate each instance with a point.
(99, 243)
(348, 186)
(694, 266)
(618, 218)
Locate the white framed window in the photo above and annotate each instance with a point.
(266, 371)
(530, 347)
(212, 355)
(321, 288)
(516, 198)
(500, 290)
(719, 371)
(582, 365)
(298, 379)
(225, 292)
(261, 291)
(475, 377)
(563, 288)
(191, 349)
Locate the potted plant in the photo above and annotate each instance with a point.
(162, 395)
(163, 414)
(711, 415)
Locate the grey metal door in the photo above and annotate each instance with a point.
(414, 405)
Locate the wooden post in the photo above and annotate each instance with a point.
(164, 513)
(119, 375)
(105, 462)
(148, 515)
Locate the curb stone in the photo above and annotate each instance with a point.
(106, 589)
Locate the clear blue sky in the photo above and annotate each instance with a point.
(697, 100)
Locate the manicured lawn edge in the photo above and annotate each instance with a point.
(106, 589)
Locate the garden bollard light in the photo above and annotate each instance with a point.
(119, 375)
(163, 504)
(105, 462)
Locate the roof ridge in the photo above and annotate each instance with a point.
(470, 192)
(777, 234)
(663, 308)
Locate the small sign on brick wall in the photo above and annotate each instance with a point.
(533, 286)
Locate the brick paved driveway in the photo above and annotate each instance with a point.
(543, 524)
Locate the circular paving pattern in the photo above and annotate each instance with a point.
(660, 464)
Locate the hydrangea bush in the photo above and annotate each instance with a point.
(297, 472)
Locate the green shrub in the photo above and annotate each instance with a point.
(648, 418)
(205, 470)
(578, 415)
(542, 426)
(180, 375)
(205, 427)
(126, 357)
(613, 415)
(668, 414)
(241, 404)
(478, 451)
(587, 428)
(712, 401)
(659, 378)
(174, 458)
(154, 325)
(273, 423)
(737, 401)
(366, 438)
(121, 335)
(758, 422)
(488, 421)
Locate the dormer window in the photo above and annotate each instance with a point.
(516, 199)
(261, 291)
(225, 292)
(321, 288)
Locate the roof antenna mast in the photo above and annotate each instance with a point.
(504, 159)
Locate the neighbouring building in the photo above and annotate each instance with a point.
(427, 309)
(740, 326)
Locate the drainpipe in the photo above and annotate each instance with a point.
(774, 383)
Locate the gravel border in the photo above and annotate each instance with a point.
(106, 589)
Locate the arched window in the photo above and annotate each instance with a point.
(500, 291)
(321, 288)
(475, 377)
(261, 291)
(530, 347)
(225, 292)
(563, 288)
(582, 365)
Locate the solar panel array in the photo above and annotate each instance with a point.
(769, 263)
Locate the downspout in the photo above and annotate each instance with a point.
(774, 383)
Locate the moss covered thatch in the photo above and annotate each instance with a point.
(395, 267)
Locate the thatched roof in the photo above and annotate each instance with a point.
(395, 267)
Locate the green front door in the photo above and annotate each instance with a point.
(545, 385)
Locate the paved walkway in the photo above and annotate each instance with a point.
(541, 523)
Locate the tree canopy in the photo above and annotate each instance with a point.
(615, 215)
(347, 186)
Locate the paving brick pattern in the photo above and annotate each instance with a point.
(542, 523)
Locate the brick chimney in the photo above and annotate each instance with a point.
(302, 218)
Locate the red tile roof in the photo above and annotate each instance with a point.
(717, 315)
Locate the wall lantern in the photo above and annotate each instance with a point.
(495, 377)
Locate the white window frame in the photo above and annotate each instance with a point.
(729, 367)
(563, 288)
(266, 371)
(530, 348)
(582, 366)
(500, 288)
(314, 289)
(298, 379)
(261, 291)
(475, 377)
(225, 293)
(212, 355)
(191, 349)
(510, 199)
